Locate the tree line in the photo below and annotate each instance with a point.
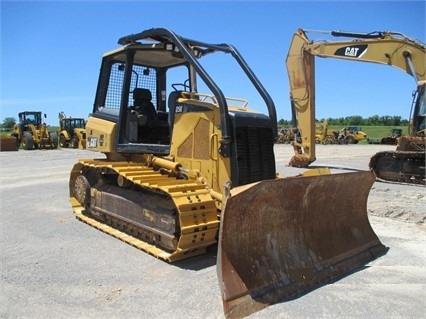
(8, 123)
(374, 120)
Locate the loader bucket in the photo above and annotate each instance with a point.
(282, 238)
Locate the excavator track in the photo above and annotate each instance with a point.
(170, 218)
(402, 167)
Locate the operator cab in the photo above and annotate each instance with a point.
(29, 118)
(132, 93)
(419, 110)
(69, 124)
(141, 83)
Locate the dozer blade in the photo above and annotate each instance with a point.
(282, 238)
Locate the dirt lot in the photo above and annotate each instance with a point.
(53, 266)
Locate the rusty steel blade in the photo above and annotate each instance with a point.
(281, 238)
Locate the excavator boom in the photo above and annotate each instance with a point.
(388, 48)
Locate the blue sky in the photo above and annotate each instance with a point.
(51, 51)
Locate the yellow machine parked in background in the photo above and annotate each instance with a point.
(392, 139)
(31, 132)
(183, 171)
(347, 135)
(321, 133)
(285, 136)
(354, 134)
(72, 131)
(406, 164)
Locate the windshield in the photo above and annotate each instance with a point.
(30, 118)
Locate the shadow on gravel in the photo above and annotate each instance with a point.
(199, 262)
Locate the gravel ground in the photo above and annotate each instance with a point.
(53, 266)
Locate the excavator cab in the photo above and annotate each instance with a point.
(186, 170)
(418, 111)
(411, 148)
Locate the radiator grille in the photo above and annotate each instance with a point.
(255, 156)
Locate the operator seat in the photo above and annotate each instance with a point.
(142, 103)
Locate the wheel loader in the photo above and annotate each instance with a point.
(31, 132)
(184, 171)
(406, 164)
(72, 132)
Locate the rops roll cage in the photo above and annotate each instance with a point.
(184, 44)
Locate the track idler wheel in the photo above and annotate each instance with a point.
(82, 190)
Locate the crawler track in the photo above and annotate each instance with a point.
(179, 220)
(402, 167)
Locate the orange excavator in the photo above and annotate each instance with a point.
(406, 164)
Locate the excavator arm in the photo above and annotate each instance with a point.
(389, 48)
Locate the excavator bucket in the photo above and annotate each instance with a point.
(282, 238)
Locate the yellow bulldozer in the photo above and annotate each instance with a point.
(72, 131)
(32, 133)
(185, 170)
(406, 164)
